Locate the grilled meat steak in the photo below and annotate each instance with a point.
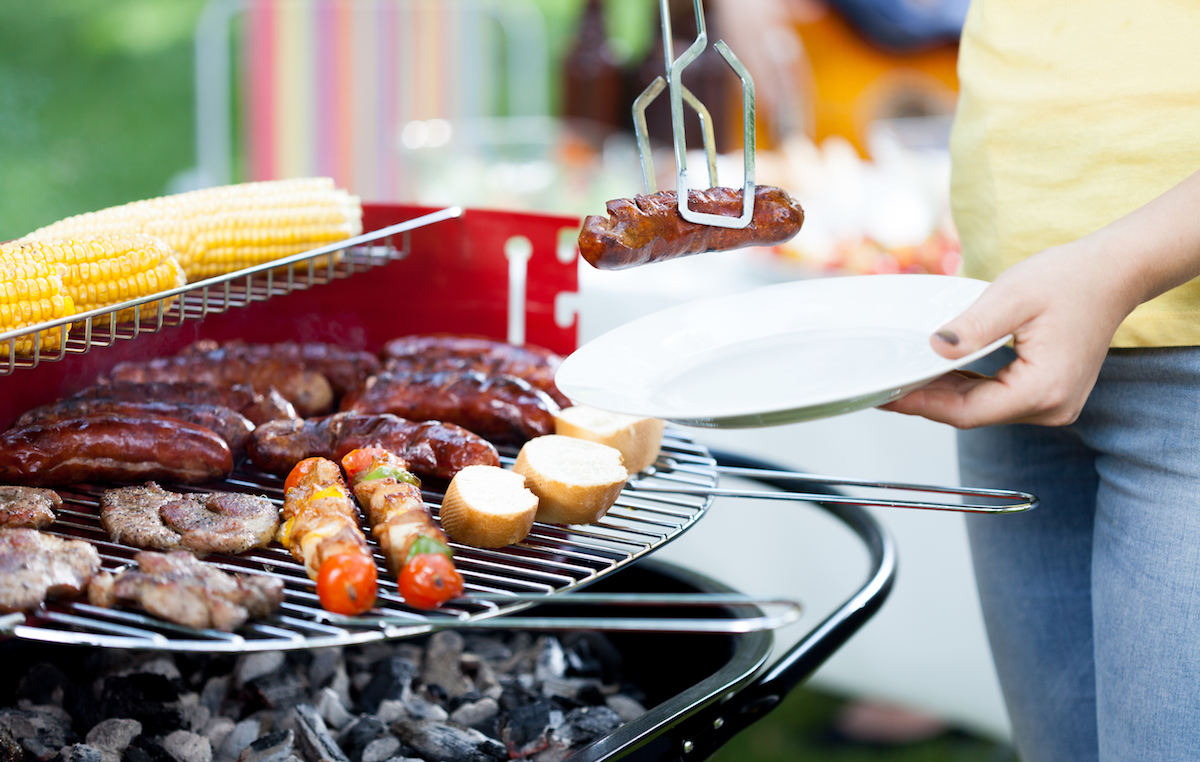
(29, 507)
(180, 588)
(431, 448)
(35, 566)
(211, 522)
(505, 410)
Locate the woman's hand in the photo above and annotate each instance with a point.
(1062, 307)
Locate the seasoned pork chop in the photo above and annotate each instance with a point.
(35, 566)
(180, 588)
(211, 522)
(29, 507)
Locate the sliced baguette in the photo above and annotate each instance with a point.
(488, 507)
(576, 481)
(638, 439)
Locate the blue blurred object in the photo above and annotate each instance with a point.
(903, 26)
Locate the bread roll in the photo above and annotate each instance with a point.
(488, 507)
(638, 439)
(576, 481)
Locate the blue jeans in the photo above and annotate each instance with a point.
(1092, 600)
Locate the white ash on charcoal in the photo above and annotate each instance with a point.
(447, 698)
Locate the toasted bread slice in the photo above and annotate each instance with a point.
(488, 507)
(576, 480)
(638, 439)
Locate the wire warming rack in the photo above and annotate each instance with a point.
(80, 333)
(553, 559)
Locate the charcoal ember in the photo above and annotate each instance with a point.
(324, 666)
(147, 749)
(591, 654)
(46, 684)
(359, 734)
(448, 743)
(280, 690)
(313, 739)
(585, 724)
(527, 728)
(186, 746)
(276, 746)
(41, 730)
(217, 730)
(487, 647)
(79, 752)
(578, 690)
(329, 705)
(195, 715)
(114, 734)
(10, 748)
(143, 697)
(253, 666)
(214, 693)
(626, 707)
(392, 679)
(515, 696)
(482, 676)
(382, 749)
(442, 666)
(477, 714)
(551, 660)
(241, 736)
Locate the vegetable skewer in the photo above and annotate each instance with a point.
(414, 548)
(319, 524)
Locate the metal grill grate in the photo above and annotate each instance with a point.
(552, 559)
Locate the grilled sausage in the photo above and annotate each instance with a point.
(227, 423)
(504, 410)
(344, 369)
(308, 390)
(112, 448)
(650, 228)
(259, 407)
(430, 353)
(431, 448)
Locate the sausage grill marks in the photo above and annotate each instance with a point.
(112, 447)
(258, 406)
(431, 448)
(344, 369)
(505, 410)
(430, 353)
(308, 390)
(228, 424)
(650, 229)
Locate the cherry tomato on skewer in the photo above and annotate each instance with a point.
(428, 580)
(346, 584)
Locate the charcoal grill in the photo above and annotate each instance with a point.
(509, 276)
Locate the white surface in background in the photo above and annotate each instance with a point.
(926, 648)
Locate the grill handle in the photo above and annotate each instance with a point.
(1014, 501)
(700, 735)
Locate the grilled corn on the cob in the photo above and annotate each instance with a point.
(31, 292)
(219, 230)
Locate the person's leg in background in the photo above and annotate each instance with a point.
(1034, 575)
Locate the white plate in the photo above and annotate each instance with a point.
(779, 354)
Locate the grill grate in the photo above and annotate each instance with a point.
(553, 559)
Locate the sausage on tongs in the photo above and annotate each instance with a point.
(649, 228)
(414, 547)
(319, 524)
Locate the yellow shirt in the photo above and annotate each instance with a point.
(1073, 113)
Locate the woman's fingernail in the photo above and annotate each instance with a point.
(950, 337)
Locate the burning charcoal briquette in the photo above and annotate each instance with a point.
(359, 734)
(329, 705)
(382, 749)
(527, 728)
(145, 698)
(79, 752)
(448, 743)
(46, 684)
(280, 690)
(586, 724)
(114, 734)
(551, 662)
(313, 739)
(186, 746)
(326, 662)
(40, 730)
(276, 746)
(255, 665)
(392, 680)
(443, 664)
(477, 714)
(10, 750)
(242, 735)
(146, 749)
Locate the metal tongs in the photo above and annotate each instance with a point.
(679, 94)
